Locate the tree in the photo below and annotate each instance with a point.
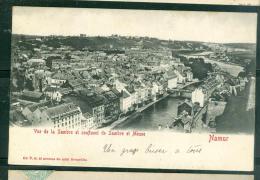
(198, 66)
(29, 85)
(242, 74)
(250, 67)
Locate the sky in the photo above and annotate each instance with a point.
(219, 27)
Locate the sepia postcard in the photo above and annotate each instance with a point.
(80, 175)
(133, 88)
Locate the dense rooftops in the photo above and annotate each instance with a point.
(62, 109)
(32, 94)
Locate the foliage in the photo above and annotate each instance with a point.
(198, 66)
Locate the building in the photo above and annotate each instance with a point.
(53, 93)
(87, 121)
(188, 108)
(133, 92)
(189, 75)
(36, 62)
(185, 122)
(185, 107)
(56, 94)
(66, 115)
(119, 86)
(112, 106)
(116, 92)
(171, 80)
(198, 96)
(140, 96)
(125, 102)
(29, 110)
(75, 84)
(181, 79)
(242, 83)
(161, 88)
(18, 118)
(57, 79)
(32, 96)
(154, 91)
(95, 105)
(39, 79)
(210, 85)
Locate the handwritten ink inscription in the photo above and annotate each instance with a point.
(131, 151)
(150, 149)
(194, 149)
(108, 148)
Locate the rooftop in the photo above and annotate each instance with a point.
(61, 109)
(33, 107)
(87, 115)
(110, 95)
(125, 94)
(95, 100)
(32, 94)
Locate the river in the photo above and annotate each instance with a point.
(233, 69)
(230, 68)
(161, 113)
(235, 119)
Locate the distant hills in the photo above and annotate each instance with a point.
(247, 46)
(125, 42)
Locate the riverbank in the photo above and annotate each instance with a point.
(232, 69)
(150, 104)
(237, 118)
(139, 110)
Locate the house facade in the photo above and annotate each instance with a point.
(87, 121)
(125, 102)
(66, 115)
(172, 80)
(198, 96)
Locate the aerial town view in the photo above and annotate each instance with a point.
(132, 82)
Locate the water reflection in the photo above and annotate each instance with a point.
(161, 113)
